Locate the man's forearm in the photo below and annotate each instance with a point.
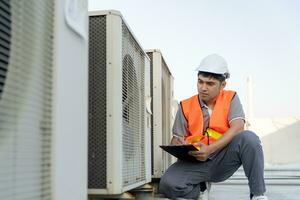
(177, 139)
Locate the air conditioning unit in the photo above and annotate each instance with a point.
(43, 99)
(119, 123)
(162, 107)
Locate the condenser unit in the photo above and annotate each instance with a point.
(119, 123)
(162, 108)
(43, 99)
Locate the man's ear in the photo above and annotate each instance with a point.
(223, 84)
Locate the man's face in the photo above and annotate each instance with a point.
(209, 88)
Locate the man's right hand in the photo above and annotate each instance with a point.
(203, 152)
(177, 140)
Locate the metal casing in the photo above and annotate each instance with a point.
(70, 100)
(162, 107)
(43, 120)
(119, 124)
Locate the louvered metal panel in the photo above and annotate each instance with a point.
(26, 99)
(166, 80)
(5, 37)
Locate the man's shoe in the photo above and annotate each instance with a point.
(262, 197)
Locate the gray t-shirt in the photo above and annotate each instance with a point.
(180, 124)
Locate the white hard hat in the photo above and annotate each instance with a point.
(214, 64)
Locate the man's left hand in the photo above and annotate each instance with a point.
(203, 153)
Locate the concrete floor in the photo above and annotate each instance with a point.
(281, 184)
(239, 192)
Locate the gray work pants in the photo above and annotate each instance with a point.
(183, 177)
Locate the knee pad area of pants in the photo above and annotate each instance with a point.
(249, 138)
(170, 187)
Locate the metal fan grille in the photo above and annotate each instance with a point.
(26, 99)
(133, 109)
(97, 103)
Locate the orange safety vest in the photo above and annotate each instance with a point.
(218, 123)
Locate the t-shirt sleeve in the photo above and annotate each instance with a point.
(180, 124)
(236, 109)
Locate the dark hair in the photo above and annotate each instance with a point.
(219, 77)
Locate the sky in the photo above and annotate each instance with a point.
(259, 39)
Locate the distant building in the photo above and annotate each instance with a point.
(280, 139)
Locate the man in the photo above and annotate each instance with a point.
(214, 121)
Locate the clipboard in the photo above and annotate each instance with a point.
(181, 151)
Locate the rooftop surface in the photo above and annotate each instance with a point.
(282, 183)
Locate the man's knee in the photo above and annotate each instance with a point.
(166, 185)
(249, 138)
(171, 188)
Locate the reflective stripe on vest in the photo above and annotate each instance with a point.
(218, 122)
